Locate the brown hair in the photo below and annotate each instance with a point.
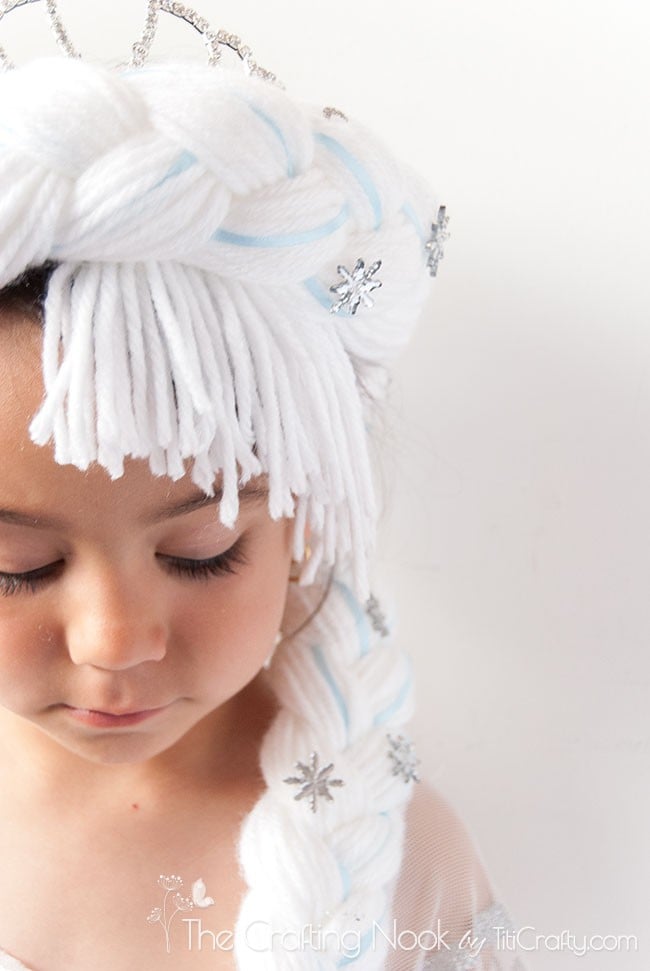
(26, 294)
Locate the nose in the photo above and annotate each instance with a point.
(116, 624)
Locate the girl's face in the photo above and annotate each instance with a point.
(104, 603)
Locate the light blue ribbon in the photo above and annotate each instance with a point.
(358, 171)
(293, 239)
(360, 616)
(411, 214)
(387, 713)
(279, 134)
(184, 161)
(319, 657)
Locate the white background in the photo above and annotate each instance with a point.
(517, 542)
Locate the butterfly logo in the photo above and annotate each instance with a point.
(199, 898)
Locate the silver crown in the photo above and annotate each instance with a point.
(214, 40)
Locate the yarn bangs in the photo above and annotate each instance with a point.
(170, 363)
(200, 220)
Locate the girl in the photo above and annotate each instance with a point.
(203, 754)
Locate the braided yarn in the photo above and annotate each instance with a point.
(323, 881)
(199, 217)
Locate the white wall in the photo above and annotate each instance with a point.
(518, 542)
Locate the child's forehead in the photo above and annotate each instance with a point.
(62, 497)
(32, 478)
(21, 374)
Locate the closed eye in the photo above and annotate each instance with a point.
(220, 565)
(214, 566)
(31, 581)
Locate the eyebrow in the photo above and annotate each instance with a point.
(247, 495)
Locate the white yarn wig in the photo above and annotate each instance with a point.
(198, 219)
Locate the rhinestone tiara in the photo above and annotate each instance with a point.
(214, 40)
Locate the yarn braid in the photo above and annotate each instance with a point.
(342, 687)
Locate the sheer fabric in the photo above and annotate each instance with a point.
(445, 907)
(442, 890)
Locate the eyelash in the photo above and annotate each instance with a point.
(215, 566)
(222, 564)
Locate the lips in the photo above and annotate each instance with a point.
(111, 719)
(117, 713)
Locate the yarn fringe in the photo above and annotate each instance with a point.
(172, 364)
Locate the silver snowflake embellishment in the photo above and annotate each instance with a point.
(402, 754)
(436, 240)
(376, 615)
(314, 782)
(334, 113)
(356, 287)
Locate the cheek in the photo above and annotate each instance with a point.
(237, 618)
(27, 655)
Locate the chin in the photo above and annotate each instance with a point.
(126, 748)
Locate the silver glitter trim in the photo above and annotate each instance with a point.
(485, 933)
(402, 754)
(435, 243)
(488, 921)
(356, 287)
(314, 781)
(463, 960)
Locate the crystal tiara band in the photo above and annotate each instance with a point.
(214, 40)
(62, 39)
